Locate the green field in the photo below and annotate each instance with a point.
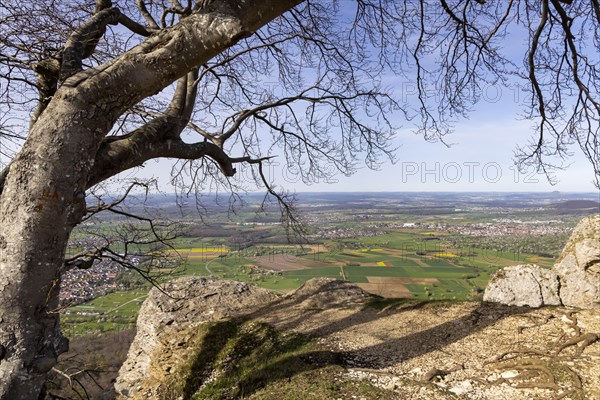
(112, 312)
(373, 261)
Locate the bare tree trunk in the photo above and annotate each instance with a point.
(42, 200)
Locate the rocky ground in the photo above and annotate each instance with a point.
(409, 350)
(469, 350)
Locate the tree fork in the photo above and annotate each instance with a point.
(42, 197)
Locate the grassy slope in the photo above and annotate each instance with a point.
(248, 359)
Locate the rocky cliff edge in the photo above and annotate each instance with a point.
(223, 340)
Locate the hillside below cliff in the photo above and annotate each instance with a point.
(212, 339)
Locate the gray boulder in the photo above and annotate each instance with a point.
(524, 285)
(574, 280)
(579, 265)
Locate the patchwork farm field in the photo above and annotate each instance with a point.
(201, 253)
(397, 265)
(390, 273)
(286, 262)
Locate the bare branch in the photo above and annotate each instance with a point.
(532, 73)
(83, 41)
(135, 27)
(47, 73)
(289, 215)
(121, 155)
(144, 11)
(596, 6)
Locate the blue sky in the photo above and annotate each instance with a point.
(480, 158)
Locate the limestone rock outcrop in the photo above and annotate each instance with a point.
(524, 285)
(574, 280)
(168, 317)
(579, 266)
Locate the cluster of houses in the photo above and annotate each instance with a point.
(503, 228)
(81, 285)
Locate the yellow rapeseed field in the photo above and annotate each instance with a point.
(446, 255)
(209, 250)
